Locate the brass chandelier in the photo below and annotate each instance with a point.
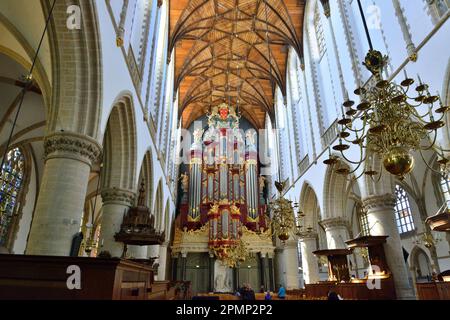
(234, 255)
(390, 122)
(283, 219)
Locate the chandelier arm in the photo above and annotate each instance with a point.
(362, 158)
(380, 173)
(426, 163)
(356, 130)
(423, 148)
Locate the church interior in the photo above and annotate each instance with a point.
(204, 149)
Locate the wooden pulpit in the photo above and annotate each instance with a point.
(338, 270)
(375, 247)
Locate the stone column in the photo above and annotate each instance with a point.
(116, 203)
(381, 217)
(308, 244)
(175, 268)
(271, 272)
(212, 261)
(263, 259)
(183, 265)
(162, 262)
(288, 262)
(59, 208)
(336, 231)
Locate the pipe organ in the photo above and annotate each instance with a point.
(222, 191)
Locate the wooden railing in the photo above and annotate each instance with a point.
(433, 291)
(45, 277)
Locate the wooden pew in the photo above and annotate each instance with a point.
(45, 277)
(433, 291)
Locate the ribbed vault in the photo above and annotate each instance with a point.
(232, 51)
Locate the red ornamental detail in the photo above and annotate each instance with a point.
(223, 113)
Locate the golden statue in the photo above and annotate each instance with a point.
(214, 209)
(234, 209)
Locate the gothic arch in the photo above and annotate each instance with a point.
(146, 175)
(419, 262)
(335, 193)
(446, 98)
(120, 146)
(158, 208)
(76, 61)
(167, 219)
(310, 206)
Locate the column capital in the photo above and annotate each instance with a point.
(385, 201)
(118, 196)
(73, 146)
(332, 223)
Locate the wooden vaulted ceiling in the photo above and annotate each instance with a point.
(232, 51)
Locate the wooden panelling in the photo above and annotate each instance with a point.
(433, 291)
(39, 277)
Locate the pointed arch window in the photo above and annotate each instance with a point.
(363, 220)
(445, 187)
(403, 214)
(320, 36)
(11, 182)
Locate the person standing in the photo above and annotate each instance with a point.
(282, 292)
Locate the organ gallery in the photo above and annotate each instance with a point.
(223, 215)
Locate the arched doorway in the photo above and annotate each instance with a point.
(420, 265)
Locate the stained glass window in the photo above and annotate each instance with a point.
(319, 32)
(363, 221)
(445, 186)
(11, 179)
(403, 214)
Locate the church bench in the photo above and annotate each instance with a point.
(46, 278)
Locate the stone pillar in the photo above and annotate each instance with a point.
(271, 273)
(288, 265)
(212, 261)
(336, 231)
(308, 244)
(381, 217)
(59, 208)
(183, 265)
(263, 259)
(237, 283)
(175, 268)
(116, 203)
(162, 262)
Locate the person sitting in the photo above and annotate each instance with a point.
(247, 292)
(268, 296)
(282, 292)
(333, 296)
